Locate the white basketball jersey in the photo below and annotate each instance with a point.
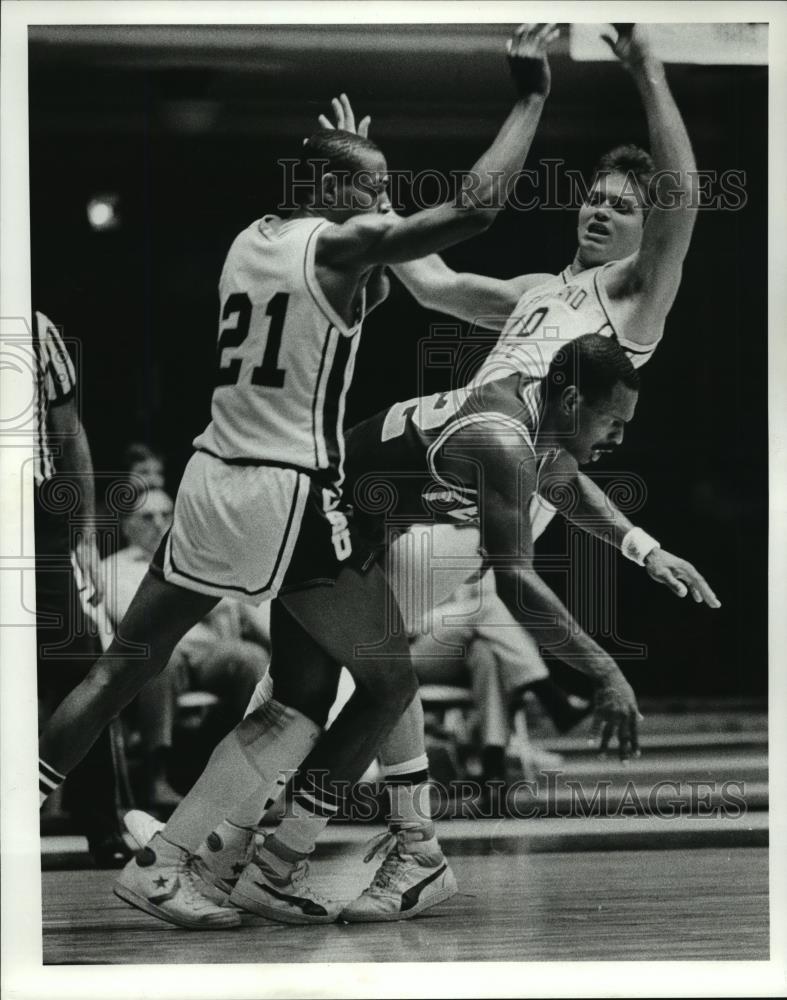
(547, 316)
(285, 357)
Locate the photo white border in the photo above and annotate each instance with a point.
(22, 974)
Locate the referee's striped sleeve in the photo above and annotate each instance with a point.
(60, 374)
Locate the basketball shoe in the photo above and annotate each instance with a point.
(141, 827)
(224, 853)
(280, 890)
(167, 882)
(407, 882)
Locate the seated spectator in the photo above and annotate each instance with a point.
(472, 640)
(225, 654)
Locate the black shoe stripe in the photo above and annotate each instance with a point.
(306, 906)
(412, 895)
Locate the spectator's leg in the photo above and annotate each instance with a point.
(157, 709)
(231, 670)
(492, 709)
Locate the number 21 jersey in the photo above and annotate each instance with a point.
(285, 357)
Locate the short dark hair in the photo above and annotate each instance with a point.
(138, 451)
(631, 160)
(329, 151)
(594, 364)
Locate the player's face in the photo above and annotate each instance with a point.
(365, 190)
(150, 471)
(146, 526)
(601, 424)
(610, 221)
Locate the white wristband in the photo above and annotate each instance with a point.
(637, 545)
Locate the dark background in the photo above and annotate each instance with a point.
(186, 125)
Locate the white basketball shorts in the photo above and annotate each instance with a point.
(234, 528)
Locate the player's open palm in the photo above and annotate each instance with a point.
(631, 45)
(527, 57)
(680, 576)
(345, 117)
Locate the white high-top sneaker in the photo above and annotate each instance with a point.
(406, 883)
(224, 855)
(166, 881)
(280, 890)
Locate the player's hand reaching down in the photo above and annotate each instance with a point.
(616, 715)
(345, 117)
(680, 576)
(527, 58)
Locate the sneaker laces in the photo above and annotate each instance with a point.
(389, 875)
(190, 870)
(380, 844)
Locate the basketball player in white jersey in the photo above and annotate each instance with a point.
(633, 234)
(257, 513)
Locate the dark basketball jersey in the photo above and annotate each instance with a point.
(393, 460)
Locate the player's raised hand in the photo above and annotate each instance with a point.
(345, 117)
(631, 45)
(616, 715)
(527, 58)
(680, 576)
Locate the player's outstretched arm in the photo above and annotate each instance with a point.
(587, 506)
(379, 239)
(475, 298)
(505, 471)
(653, 274)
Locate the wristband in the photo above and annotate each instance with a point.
(529, 76)
(637, 545)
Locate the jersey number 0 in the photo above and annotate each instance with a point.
(267, 373)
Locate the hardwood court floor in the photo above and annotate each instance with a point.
(703, 903)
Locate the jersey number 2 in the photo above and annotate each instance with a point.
(266, 374)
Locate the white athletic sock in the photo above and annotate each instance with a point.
(409, 803)
(313, 805)
(250, 812)
(298, 830)
(274, 739)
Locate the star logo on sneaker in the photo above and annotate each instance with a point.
(160, 882)
(165, 896)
